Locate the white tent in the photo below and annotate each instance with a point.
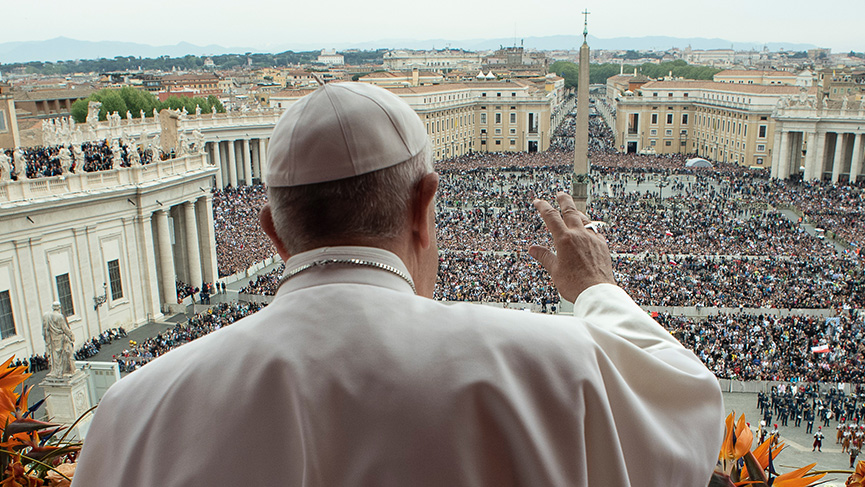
(697, 162)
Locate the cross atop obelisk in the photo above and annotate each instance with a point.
(586, 24)
(580, 180)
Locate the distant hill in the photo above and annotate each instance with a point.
(66, 49)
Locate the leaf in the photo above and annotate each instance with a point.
(755, 472)
(27, 425)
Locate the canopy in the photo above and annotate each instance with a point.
(697, 162)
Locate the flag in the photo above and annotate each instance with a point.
(820, 349)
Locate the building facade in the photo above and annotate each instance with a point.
(107, 245)
(9, 137)
(437, 60)
(727, 122)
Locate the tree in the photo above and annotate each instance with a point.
(568, 70)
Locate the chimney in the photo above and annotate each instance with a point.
(415, 77)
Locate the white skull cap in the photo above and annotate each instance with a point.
(339, 131)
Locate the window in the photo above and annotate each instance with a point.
(513, 131)
(761, 148)
(762, 133)
(684, 118)
(513, 118)
(653, 132)
(668, 143)
(114, 279)
(653, 143)
(654, 118)
(7, 321)
(498, 118)
(655, 94)
(498, 131)
(499, 95)
(483, 94)
(513, 141)
(683, 132)
(64, 294)
(668, 132)
(498, 142)
(670, 118)
(3, 122)
(483, 118)
(760, 160)
(483, 131)
(682, 143)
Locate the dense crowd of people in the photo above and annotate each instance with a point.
(214, 318)
(240, 243)
(92, 346)
(46, 161)
(764, 347)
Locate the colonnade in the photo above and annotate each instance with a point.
(832, 155)
(189, 252)
(239, 160)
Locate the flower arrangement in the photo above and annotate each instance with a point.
(30, 455)
(739, 466)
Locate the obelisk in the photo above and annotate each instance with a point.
(580, 181)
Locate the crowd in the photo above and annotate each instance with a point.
(34, 364)
(42, 161)
(763, 347)
(214, 318)
(92, 346)
(240, 242)
(264, 284)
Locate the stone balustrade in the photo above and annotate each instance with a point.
(27, 190)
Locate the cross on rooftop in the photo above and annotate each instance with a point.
(586, 23)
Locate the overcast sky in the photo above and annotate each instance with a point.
(837, 24)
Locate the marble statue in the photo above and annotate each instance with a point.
(141, 112)
(134, 157)
(58, 342)
(197, 110)
(65, 159)
(20, 164)
(116, 154)
(168, 135)
(213, 109)
(93, 108)
(128, 115)
(844, 104)
(182, 144)
(79, 155)
(5, 167)
(155, 114)
(197, 141)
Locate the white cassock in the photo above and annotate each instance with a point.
(348, 379)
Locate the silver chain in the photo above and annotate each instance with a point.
(358, 262)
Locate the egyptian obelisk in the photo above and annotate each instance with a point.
(580, 181)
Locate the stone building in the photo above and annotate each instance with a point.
(107, 245)
(437, 60)
(9, 136)
(728, 122)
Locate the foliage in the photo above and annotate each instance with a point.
(135, 100)
(28, 450)
(598, 73)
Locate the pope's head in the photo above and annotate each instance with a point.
(350, 164)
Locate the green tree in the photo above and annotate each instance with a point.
(568, 70)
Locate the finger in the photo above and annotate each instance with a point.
(570, 214)
(552, 218)
(545, 256)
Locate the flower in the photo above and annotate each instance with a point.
(737, 441)
(858, 477)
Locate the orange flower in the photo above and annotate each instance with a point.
(797, 478)
(10, 378)
(737, 442)
(858, 477)
(761, 454)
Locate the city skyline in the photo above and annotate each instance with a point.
(270, 25)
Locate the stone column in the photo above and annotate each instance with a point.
(783, 156)
(775, 172)
(147, 256)
(217, 161)
(262, 158)
(816, 169)
(206, 239)
(193, 260)
(232, 165)
(166, 259)
(247, 163)
(856, 162)
(838, 160)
